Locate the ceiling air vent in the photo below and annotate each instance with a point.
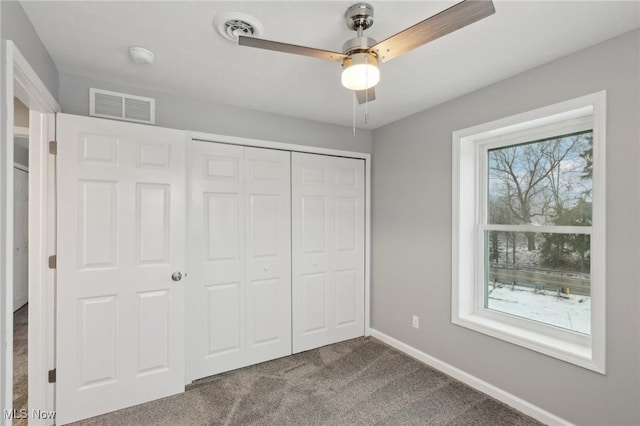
(121, 106)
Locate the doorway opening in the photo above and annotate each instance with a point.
(20, 257)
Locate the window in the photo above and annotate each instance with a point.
(529, 230)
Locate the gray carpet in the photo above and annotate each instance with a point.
(361, 381)
(20, 333)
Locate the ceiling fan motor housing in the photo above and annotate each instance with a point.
(359, 16)
(358, 44)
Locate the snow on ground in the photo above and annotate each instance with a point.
(568, 311)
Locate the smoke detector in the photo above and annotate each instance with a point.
(141, 55)
(230, 25)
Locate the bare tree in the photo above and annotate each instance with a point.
(523, 175)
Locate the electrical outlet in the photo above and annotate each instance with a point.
(415, 322)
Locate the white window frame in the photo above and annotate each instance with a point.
(469, 166)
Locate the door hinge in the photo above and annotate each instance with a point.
(52, 376)
(53, 148)
(53, 262)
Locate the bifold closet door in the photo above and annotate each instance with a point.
(239, 303)
(121, 242)
(328, 211)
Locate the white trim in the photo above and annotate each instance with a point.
(473, 381)
(367, 249)
(550, 114)
(259, 143)
(22, 81)
(42, 280)
(468, 222)
(188, 358)
(28, 85)
(539, 229)
(6, 234)
(548, 130)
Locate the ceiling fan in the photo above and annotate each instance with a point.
(361, 55)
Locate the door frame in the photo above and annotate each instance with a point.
(258, 143)
(20, 80)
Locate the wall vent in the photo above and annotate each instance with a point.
(121, 106)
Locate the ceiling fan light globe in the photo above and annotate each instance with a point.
(360, 77)
(360, 71)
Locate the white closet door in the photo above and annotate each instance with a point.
(268, 254)
(240, 296)
(328, 249)
(216, 332)
(20, 238)
(121, 224)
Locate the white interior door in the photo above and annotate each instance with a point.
(121, 224)
(240, 296)
(328, 249)
(20, 238)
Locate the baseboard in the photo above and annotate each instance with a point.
(476, 383)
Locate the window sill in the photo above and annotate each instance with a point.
(572, 352)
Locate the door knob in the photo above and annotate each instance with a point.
(176, 276)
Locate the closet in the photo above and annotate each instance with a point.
(277, 251)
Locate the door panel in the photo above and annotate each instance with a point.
(346, 298)
(97, 341)
(98, 233)
(222, 223)
(153, 331)
(121, 221)
(223, 320)
(268, 250)
(328, 250)
(348, 247)
(152, 223)
(216, 296)
(241, 257)
(315, 295)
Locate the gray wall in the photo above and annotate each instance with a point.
(17, 27)
(412, 236)
(207, 116)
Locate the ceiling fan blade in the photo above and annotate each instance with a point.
(290, 48)
(366, 95)
(443, 23)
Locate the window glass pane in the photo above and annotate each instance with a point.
(549, 284)
(545, 182)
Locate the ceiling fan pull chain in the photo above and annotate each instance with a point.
(354, 114)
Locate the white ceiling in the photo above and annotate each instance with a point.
(91, 39)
